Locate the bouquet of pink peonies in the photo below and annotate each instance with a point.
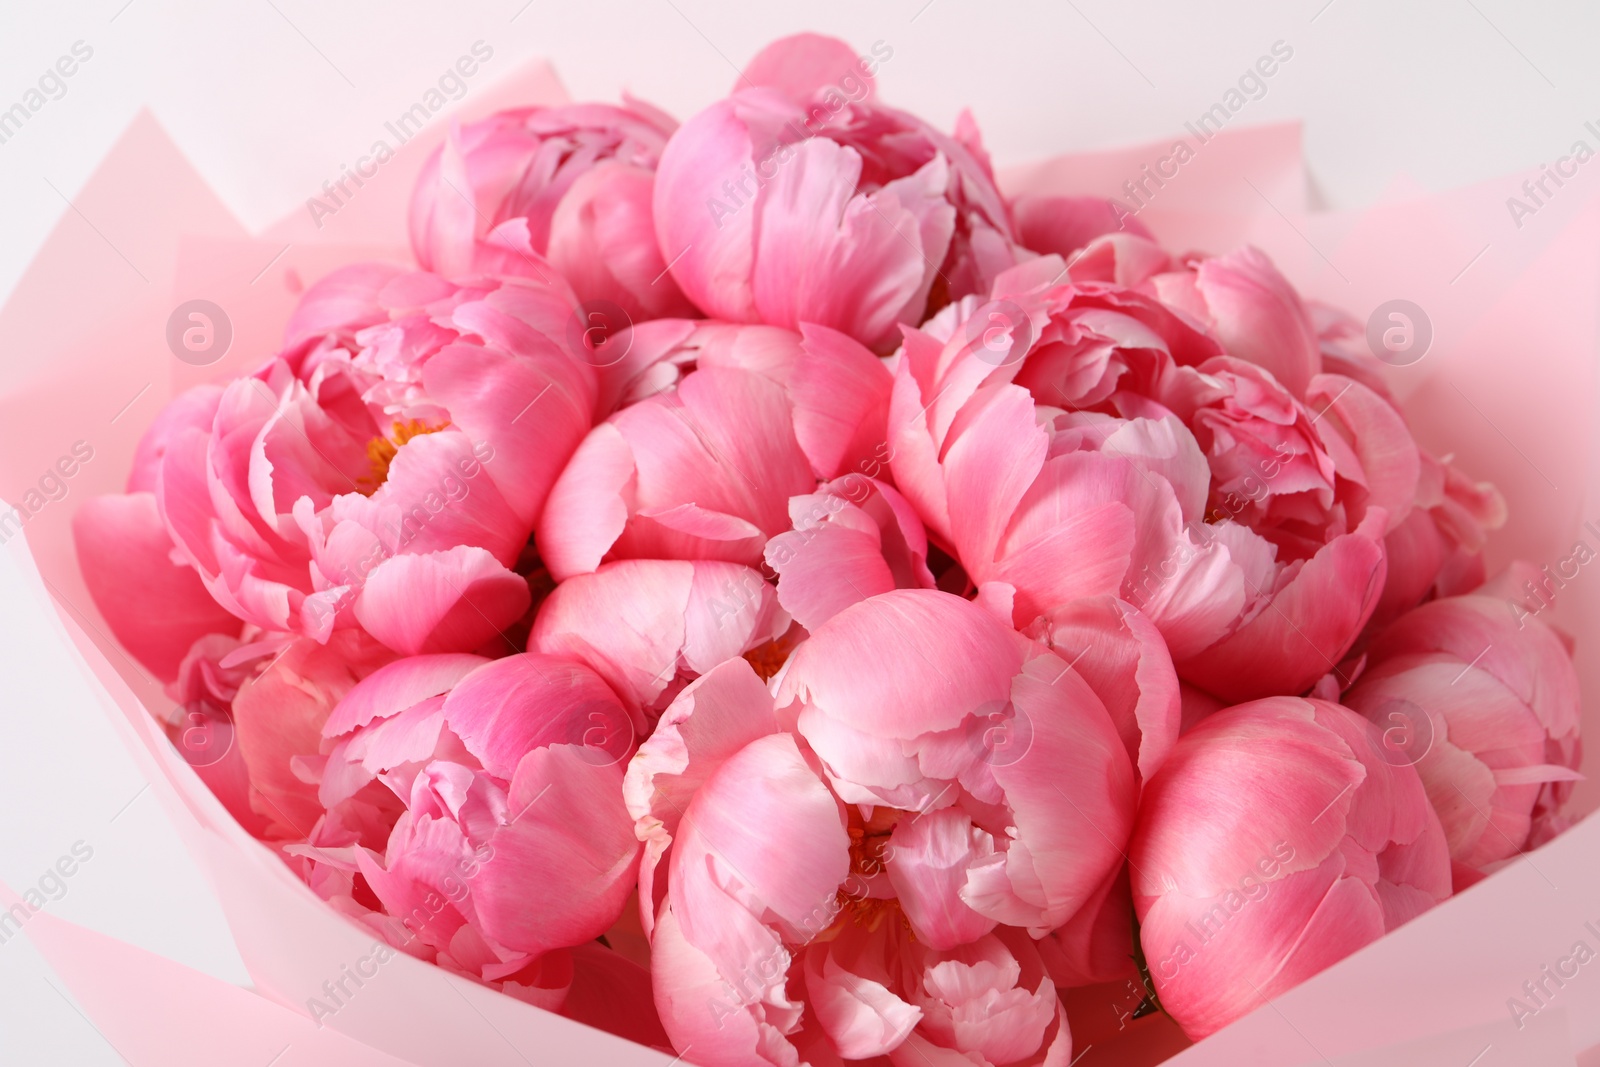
(753, 588)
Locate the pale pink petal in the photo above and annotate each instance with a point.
(453, 601)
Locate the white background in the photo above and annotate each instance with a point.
(268, 97)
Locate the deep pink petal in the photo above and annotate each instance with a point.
(156, 608)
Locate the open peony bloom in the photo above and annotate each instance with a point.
(704, 471)
(859, 866)
(568, 187)
(1274, 841)
(1051, 505)
(800, 199)
(1483, 698)
(474, 813)
(382, 474)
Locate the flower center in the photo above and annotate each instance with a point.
(860, 900)
(381, 451)
(769, 658)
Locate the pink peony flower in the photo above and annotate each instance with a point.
(648, 627)
(1274, 841)
(1111, 500)
(565, 187)
(702, 472)
(800, 199)
(381, 475)
(858, 867)
(837, 389)
(1483, 698)
(474, 813)
(1058, 506)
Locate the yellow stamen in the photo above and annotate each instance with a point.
(382, 450)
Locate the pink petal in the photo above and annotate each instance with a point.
(805, 63)
(860, 264)
(906, 663)
(588, 507)
(929, 858)
(524, 415)
(1258, 317)
(1308, 626)
(398, 686)
(156, 608)
(563, 866)
(603, 241)
(457, 600)
(710, 244)
(1064, 224)
(513, 705)
(1120, 653)
(840, 392)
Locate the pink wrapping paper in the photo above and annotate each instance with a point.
(1509, 385)
(154, 1011)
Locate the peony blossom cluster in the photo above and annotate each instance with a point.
(926, 604)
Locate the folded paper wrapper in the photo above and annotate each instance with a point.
(1508, 386)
